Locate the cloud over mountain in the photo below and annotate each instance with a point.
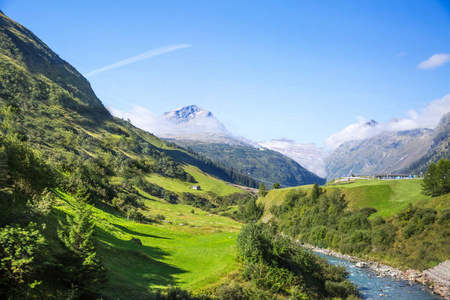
(427, 118)
(182, 121)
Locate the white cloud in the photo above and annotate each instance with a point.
(161, 127)
(146, 55)
(145, 119)
(435, 61)
(428, 117)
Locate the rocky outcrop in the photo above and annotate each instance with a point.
(437, 278)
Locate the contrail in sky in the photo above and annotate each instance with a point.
(146, 55)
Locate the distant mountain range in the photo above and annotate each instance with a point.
(199, 131)
(382, 154)
(405, 152)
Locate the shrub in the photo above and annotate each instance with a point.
(383, 235)
(367, 211)
(340, 289)
(444, 217)
(231, 292)
(409, 231)
(160, 217)
(20, 251)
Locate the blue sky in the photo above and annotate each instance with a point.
(304, 70)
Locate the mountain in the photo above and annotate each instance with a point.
(195, 120)
(438, 147)
(259, 163)
(199, 131)
(307, 155)
(384, 153)
(21, 45)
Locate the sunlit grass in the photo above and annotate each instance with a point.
(193, 251)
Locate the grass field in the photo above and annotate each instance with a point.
(190, 250)
(387, 196)
(207, 183)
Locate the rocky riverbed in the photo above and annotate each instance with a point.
(437, 278)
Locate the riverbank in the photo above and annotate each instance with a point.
(437, 279)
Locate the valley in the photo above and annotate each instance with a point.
(93, 207)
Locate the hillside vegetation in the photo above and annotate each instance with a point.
(389, 221)
(94, 207)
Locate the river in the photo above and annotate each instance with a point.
(372, 287)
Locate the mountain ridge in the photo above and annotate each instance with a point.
(384, 153)
(212, 140)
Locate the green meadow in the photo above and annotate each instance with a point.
(388, 197)
(190, 250)
(206, 182)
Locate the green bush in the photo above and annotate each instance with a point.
(444, 217)
(340, 289)
(21, 250)
(231, 292)
(409, 231)
(383, 235)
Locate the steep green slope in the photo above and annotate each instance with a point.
(190, 250)
(58, 147)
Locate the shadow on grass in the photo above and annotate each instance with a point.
(134, 267)
(132, 232)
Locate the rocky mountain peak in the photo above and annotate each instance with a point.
(372, 123)
(194, 120)
(186, 113)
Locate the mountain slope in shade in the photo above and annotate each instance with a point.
(261, 164)
(384, 153)
(198, 130)
(307, 155)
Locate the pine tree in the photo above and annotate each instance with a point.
(83, 269)
(436, 181)
(316, 191)
(262, 190)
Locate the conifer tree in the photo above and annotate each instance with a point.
(262, 190)
(316, 191)
(436, 181)
(83, 269)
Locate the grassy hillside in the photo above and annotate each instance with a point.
(205, 181)
(388, 197)
(61, 152)
(388, 220)
(190, 250)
